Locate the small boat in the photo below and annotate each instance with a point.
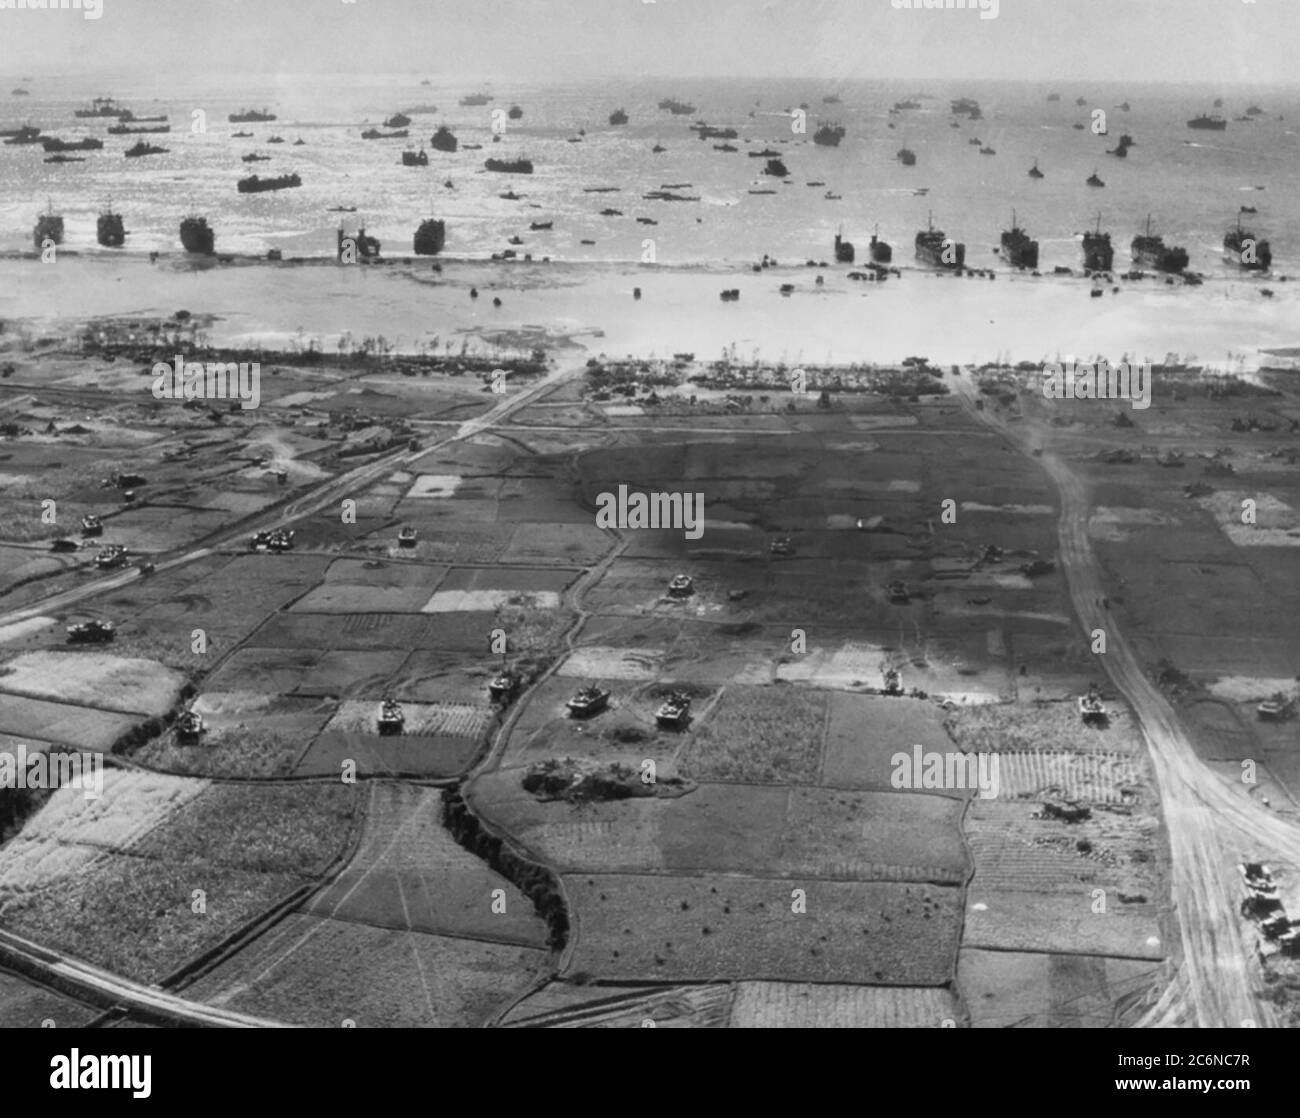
(376, 134)
(1034, 172)
(240, 135)
(987, 151)
(617, 117)
(510, 166)
(342, 210)
(254, 157)
(588, 701)
(907, 157)
(536, 225)
(1093, 180)
(658, 148)
(397, 120)
(415, 158)
(474, 100)
(275, 139)
(515, 112)
(64, 159)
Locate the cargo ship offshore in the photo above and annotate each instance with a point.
(1152, 252)
(1017, 248)
(1098, 255)
(1240, 246)
(255, 185)
(1208, 123)
(251, 116)
(937, 250)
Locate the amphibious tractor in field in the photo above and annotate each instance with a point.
(674, 712)
(588, 701)
(392, 719)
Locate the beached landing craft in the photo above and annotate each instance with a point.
(1242, 247)
(110, 231)
(1098, 255)
(907, 157)
(1017, 248)
(618, 116)
(366, 248)
(1093, 180)
(881, 251)
(415, 158)
(197, 236)
(430, 237)
(934, 248)
(376, 134)
(1152, 252)
(844, 251)
(49, 226)
(1034, 172)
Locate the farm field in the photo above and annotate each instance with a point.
(710, 927)
(243, 848)
(93, 679)
(567, 1005)
(320, 973)
(410, 874)
(865, 731)
(759, 735)
(803, 1005)
(1062, 923)
(1009, 989)
(24, 1005)
(793, 832)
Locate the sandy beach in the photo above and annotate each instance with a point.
(952, 321)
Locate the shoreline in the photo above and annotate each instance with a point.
(953, 320)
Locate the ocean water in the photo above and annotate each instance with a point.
(1190, 182)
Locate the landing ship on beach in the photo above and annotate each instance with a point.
(1098, 255)
(430, 237)
(49, 226)
(1151, 252)
(197, 235)
(937, 250)
(1242, 247)
(1017, 248)
(109, 231)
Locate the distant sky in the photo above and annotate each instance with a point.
(1211, 41)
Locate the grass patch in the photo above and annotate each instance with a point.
(246, 754)
(760, 735)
